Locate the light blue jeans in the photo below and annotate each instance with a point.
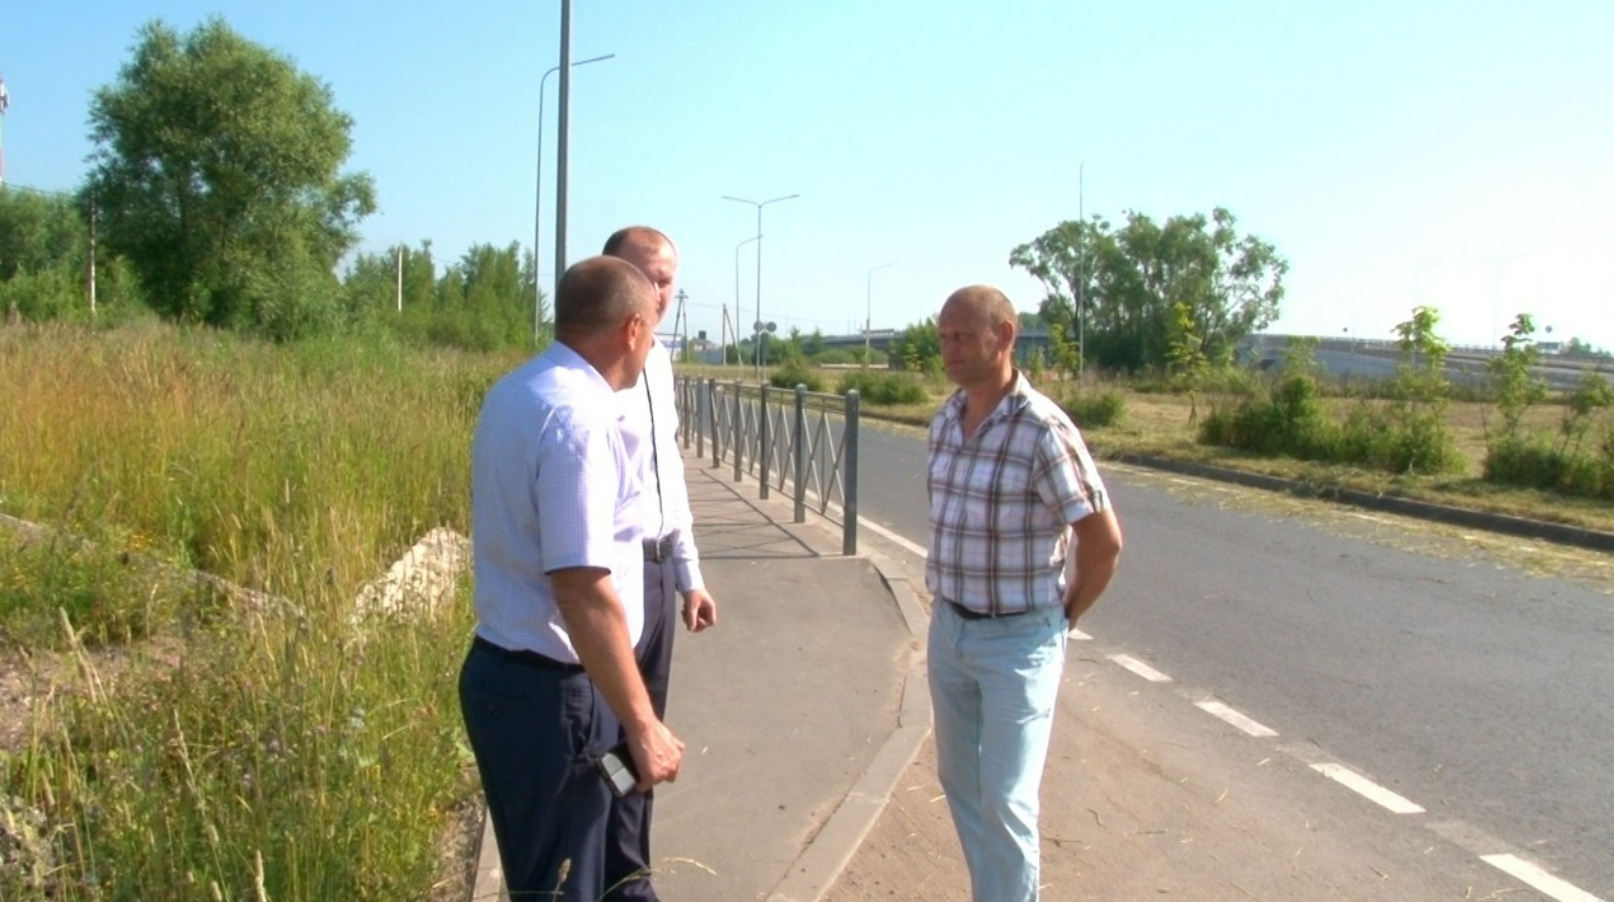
(993, 684)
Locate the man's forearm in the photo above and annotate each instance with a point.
(1098, 554)
(599, 633)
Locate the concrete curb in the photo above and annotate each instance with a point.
(815, 871)
(1558, 533)
(489, 883)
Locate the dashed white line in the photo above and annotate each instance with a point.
(1532, 874)
(1367, 789)
(1218, 709)
(1140, 668)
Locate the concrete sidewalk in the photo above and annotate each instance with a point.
(796, 709)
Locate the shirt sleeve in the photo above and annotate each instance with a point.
(580, 468)
(1067, 481)
(686, 560)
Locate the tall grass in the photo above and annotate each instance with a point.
(284, 752)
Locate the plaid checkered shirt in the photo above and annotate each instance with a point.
(1002, 500)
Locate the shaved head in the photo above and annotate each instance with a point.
(976, 327)
(599, 294)
(639, 236)
(982, 303)
(655, 255)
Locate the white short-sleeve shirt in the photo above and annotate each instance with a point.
(552, 488)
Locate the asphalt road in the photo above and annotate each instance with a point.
(1475, 690)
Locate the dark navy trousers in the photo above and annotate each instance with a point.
(536, 730)
(627, 850)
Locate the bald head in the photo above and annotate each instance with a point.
(655, 255)
(976, 327)
(982, 304)
(598, 295)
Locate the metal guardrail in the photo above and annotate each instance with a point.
(786, 439)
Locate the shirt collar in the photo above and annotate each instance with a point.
(1011, 403)
(562, 355)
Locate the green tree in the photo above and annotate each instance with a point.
(919, 347)
(44, 262)
(1517, 389)
(1421, 376)
(1127, 280)
(42, 255)
(1577, 347)
(1186, 361)
(216, 171)
(1420, 440)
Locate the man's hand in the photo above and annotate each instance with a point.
(657, 754)
(700, 610)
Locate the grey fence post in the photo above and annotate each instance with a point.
(798, 445)
(734, 444)
(700, 418)
(763, 436)
(717, 444)
(686, 409)
(849, 478)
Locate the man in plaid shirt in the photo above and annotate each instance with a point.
(1011, 485)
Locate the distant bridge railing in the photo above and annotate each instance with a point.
(796, 440)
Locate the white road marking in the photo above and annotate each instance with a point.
(1140, 668)
(1078, 635)
(1367, 789)
(1217, 709)
(877, 529)
(1532, 874)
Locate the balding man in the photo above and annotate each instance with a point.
(671, 562)
(551, 681)
(1010, 483)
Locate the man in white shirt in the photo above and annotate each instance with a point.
(671, 562)
(551, 681)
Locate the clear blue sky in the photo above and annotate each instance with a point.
(1457, 154)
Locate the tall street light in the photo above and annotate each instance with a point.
(868, 311)
(538, 204)
(759, 206)
(737, 313)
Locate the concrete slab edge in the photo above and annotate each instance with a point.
(820, 863)
(1558, 533)
(489, 883)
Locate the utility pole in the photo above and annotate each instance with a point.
(400, 278)
(682, 319)
(562, 140)
(92, 258)
(1081, 278)
(5, 101)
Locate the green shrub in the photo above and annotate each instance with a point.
(1095, 409)
(1534, 463)
(884, 388)
(1285, 419)
(794, 374)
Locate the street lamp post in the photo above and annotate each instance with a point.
(538, 201)
(868, 310)
(737, 314)
(759, 206)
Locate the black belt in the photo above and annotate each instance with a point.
(658, 550)
(523, 656)
(972, 614)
